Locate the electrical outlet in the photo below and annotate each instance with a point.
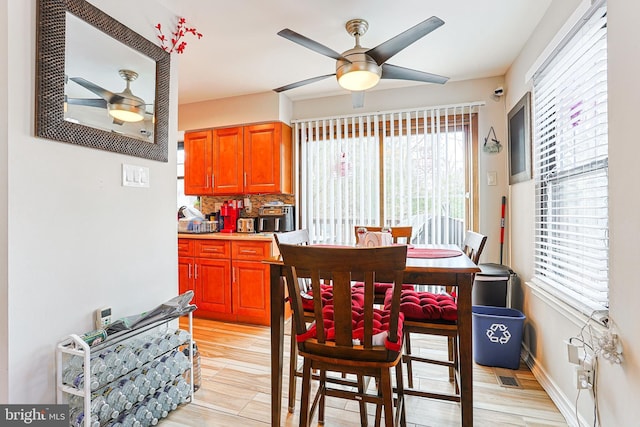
(584, 379)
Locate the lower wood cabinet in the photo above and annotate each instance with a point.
(229, 280)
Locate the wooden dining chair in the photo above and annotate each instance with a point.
(397, 232)
(346, 338)
(296, 237)
(422, 322)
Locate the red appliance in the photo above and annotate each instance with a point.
(229, 211)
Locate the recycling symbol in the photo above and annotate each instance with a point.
(498, 333)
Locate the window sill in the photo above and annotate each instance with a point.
(575, 316)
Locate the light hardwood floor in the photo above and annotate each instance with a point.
(235, 388)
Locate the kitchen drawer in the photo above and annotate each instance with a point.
(186, 247)
(251, 251)
(212, 249)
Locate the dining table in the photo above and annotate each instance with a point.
(454, 269)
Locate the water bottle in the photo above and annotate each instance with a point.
(155, 407)
(182, 360)
(129, 358)
(111, 359)
(162, 343)
(166, 402)
(97, 365)
(143, 355)
(106, 377)
(141, 412)
(197, 372)
(155, 379)
(171, 363)
(75, 378)
(128, 420)
(76, 418)
(183, 388)
(177, 337)
(173, 392)
(130, 390)
(152, 348)
(142, 382)
(116, 399)
(102, 410)
(162, 369)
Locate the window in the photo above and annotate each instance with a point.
(182, 199)
(570, 167)
(399, 168)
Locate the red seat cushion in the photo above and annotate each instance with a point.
(380, 327)
(381, 288)
(425, 305)
(326, 293)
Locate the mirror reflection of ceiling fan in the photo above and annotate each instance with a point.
(123, 106)
(360, 68)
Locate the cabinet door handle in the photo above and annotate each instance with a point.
(211, 180)
(207, 179)
(196, 270)
(245, 179)
(189, 271)
(233, 274)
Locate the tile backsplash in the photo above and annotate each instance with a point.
(208, 203)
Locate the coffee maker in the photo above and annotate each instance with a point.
(229, 212)
(276, 218)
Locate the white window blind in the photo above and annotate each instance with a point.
(392, 168)
(571, 165)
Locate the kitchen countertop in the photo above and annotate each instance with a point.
(228, 236)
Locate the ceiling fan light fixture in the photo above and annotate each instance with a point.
(361, 73)
(127, 113)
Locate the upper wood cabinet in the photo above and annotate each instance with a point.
(251, 159)
(197, 163)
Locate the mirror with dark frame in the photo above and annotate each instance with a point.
(113, 97)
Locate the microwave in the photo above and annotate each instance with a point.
(276, 219)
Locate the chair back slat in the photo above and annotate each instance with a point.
(343, 266)
(473, 245)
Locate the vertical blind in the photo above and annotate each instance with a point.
(407, 167)
(571, 167)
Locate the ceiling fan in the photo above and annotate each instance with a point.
(123, 106)
(360, 68)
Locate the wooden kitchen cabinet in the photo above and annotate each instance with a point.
(204, 266)
(250, 281)
(267, 159)
(198, 167)
(227, 155)
(251, 159)
(229, 280)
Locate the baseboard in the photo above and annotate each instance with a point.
(565, 406)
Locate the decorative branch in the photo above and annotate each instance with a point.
(176, 42)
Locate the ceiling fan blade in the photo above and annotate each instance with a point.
(89, 102)
(302, 83)
(400, 73)
(386, 50)
(105, 94)
(310, 44)
(357, 98)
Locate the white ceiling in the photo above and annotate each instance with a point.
(240, 52)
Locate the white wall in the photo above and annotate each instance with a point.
(254, 108)
(492, 114)
(549, 324)
(4, 295)
(76, 239)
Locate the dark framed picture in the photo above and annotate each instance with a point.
(519, 131)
